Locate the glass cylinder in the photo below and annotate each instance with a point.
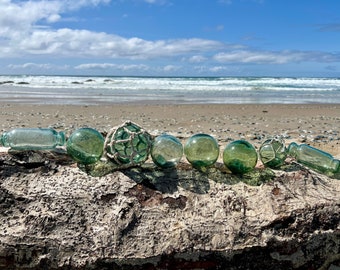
(33, 139)
(314, 158)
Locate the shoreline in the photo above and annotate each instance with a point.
(314, 124)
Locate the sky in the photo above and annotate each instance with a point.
(170, 37)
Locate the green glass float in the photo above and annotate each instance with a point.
(85, 145)
(273, 152)
(314, 158)
(128, 145)
(201, 150)
(32, 139)
(240, 157)
(166, 151)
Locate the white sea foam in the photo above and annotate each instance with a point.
(67, 89)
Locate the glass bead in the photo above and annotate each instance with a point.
(85, 145)
(273, 153)
(32, 139)
(129, 144)
(240, 156)
(314, 158)
(201, 150)
(166, 151)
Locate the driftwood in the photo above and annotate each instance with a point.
(55, 216)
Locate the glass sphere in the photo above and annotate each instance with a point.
(201, 150)
(240, 157)
(166, 151)
(129, 144)
(273, 153)
(85, 145)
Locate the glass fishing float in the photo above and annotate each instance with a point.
(314, 158)
(240, 157)
(273, 152)
(32, 139)
(128, 145)
(201, 150)
(85, 145)
(166, 151)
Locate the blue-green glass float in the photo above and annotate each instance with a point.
(85, 145)
(201, 150)
(240, 157)
(128, 145)
(273, 152)
(166, 151)
(314, 158)
(32, 139)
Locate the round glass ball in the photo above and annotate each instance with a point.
(201, 150)
(240, 157)
(85, 145)
(273, 153)
(128, 144)
(166, 151)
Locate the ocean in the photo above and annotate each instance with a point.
(81, 90)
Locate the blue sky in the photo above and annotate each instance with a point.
(171, 37)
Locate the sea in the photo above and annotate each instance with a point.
(96, 90)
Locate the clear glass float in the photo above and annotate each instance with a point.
(201, 150)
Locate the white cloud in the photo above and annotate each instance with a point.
(135, 68)
(251, 57)
(215, 69)
(22, 18)
(83, 43)
(279, 57)
(218, 69)
(126, 67)
(37, 67)
(197, 59)
(30, 65)
(171, 68)
(24, 31)
(53, 18)
(96, 66)
(83, 3)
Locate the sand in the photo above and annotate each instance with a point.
(314, 124)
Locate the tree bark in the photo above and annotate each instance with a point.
(55, 216)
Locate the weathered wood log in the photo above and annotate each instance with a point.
(55, 216)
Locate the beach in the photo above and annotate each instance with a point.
(314, 124)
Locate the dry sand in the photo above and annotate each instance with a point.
(314, 124)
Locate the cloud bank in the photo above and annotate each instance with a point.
(26, 30)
